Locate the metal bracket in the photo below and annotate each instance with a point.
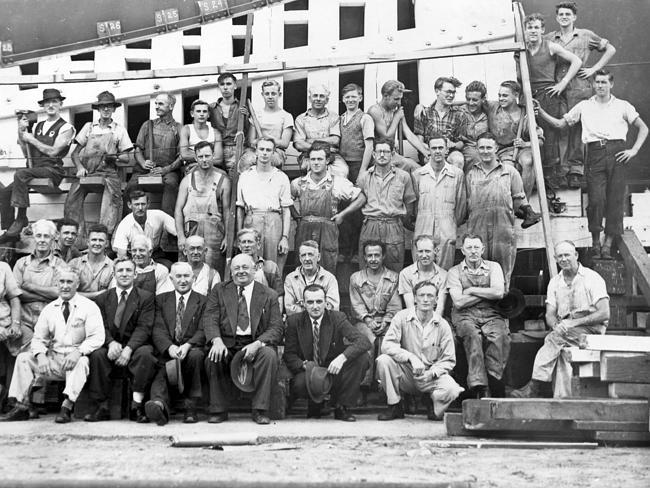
(109, 31)
(166, 20)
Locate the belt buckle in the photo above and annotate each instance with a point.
(602, 142)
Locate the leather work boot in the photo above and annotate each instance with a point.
(530, 390)
(17, 226)
(530, 217)
(17, 413)
(65, 416)
(392, 412)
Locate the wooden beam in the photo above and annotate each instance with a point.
(505, 444)
(610, 426)
(636, 260)
(629, 390)
(588, 388)
(577, 355)
(151, 183)
(623, 437)
(92, 184)
(44, 185)
(625, 367)
(615, 343)
(589, 370)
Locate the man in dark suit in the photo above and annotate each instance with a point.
(318, 335)
(178, 334)
(128, 314)
(242, 314)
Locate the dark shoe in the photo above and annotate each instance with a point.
(102, 413)
(574, 181)
(409, 404)
(314, 410)
(17, 226)
(17, 413)
(530, 390)
(606, 253)
(392, 412)
(137, 414)
(64, 417)
(428, 403)
(531, 217)
(217, 418)
(481, 391)
(157, 412)
(190, 416)
(342, 413)
(594, 251)
(259, 417)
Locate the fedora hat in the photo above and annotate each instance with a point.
(105, 98)
(49, 94)
(174, 376)
(512, 303)
(241, 372)
(319, 381)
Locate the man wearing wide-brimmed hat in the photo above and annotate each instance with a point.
(99, 146)
(44, 150)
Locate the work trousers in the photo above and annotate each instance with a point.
(17, 193)
(265, 370)
(349, 229)
(551, 149)
(605, 188)
(551, 361)
(486, 340)
(191, 371)
(26, 374)
(345, 385)
(170, 180)
(389, 231)
(269, 225)
(141, 366)
(110, 212)
(398, 377)
(372, 352)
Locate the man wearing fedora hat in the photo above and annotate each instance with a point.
(475, 285)
(99, 145)
(242, 315)
(326, 338)
(178, 336)
(44, 150)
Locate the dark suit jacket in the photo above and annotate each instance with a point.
(137, 319)
(220, 318)
(334, 327)
(165, 323)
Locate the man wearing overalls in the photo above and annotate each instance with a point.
(99, 145)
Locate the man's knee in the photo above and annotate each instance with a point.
(385, 362)
(83, 365)
(98, 357)
(266, 355)
(144, 354)
(195, 356)
(525, 159)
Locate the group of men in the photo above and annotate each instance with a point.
(477, 169)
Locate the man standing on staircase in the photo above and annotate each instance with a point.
(605, 121)
(44, 150)
(576, 303)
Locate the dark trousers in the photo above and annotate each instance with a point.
(606, 188)
(265, 369)
(345, 388)
(351, 226)
(141, 366)
(191, 371)
(17, 193)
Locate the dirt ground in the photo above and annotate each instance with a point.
(45, 453)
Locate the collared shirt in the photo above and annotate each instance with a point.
(119, 142)
(84, 330)
(474, 126)
(451, 124)
(201, 284)
(485, 268)
(411, 276)
(248, 294)
(40, 271)
(386, 196)
(71, 253)
(227, 126)
(379, 300)
(166, 137)
(432, 342)
(156, 222)
(161, 273)
(118, 292)
(602, 120)
(296, 282)
(342, 188)
(578, 298)
(274, 123)
(185, 296)
(439, 196)
(264, 191)
(478, 175)
(504, 126)
(310, 126)
(90, 280)
(316, 322)
(581, 43)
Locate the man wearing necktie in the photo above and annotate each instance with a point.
(67, 331)
(128, 314)
(331, 341)
(242, 314)
(178, 334)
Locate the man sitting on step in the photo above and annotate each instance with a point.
(576, 303)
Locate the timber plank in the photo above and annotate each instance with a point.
(589, 370)
(629, 390)
(44, 185)
(588, 388)
(619, 343)
(92, 184)
(623, 437)
(610, 426)
(504, 444)
(625, 367)
(636, 260)
(150, 183)
(477, 415)
(557, 409)
(577, 355)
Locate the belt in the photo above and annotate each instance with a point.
(315, 218)
(603, 143)
(260, 211)
(384, 219)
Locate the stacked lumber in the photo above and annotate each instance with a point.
(602, 420)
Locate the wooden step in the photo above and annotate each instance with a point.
(626, 367)
(629, 390)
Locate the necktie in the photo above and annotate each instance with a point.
(66, 311)
(180, 310)
(316, 342)
(243, 319)
(120, 310)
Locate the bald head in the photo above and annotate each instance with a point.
(242, 269)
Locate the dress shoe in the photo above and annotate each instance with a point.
(314, 410)
(190, 416)
(217, 418)
(157, 412)
(17, 413)
(392, 412)
(137, 414)
(17, 226)
(102, 413)
(342, 413)
(64, 417)
(260, 418)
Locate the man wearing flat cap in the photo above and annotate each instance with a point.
(99, 146)
(44, 150)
